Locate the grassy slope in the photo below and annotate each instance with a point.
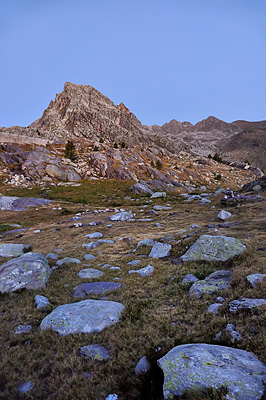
(158, 313)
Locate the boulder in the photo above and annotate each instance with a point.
(245, 303)
(90, 273)
(200, 366)
(254, 279)
(189, 279)
(218, 280)
(139, 188)
(250, 186)
(41, 301)
(12, 249)
(95, 352)
(122, 216)
(157, 195)
(62, 174)
(67, 261)
(85, 289)
(30, 271)
(86, 316)
(214, 248)
(146, 271)
(160, 250)
(162, 208)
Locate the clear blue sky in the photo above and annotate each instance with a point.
(164, 59)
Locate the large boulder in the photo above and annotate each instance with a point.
(62, 174)
(218, 280)
(214, 248)
(13, 249)
(248, 187)
(30, 271)
(200, 366)
(86, 316)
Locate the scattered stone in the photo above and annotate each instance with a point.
(189, 279)
(23, 329)
(142, 366)
(94, 235)
(67, 261)
(214, 248)
(115, 269)
(201, 366)
(13, 250)
(112, 397)
(89, 257)
(146, 271)
(234, 334)
(90, 273)
(161, 208)
(160, 250)
(156, 195)
(41, 301)
(86, 316)
(21, 203)
(85, 289)
(256, 188)
(218, 280)
(224, 215)
(93, 245)
(125, 239)
(25, 387)
(133, 263)
(220, 299)
(214, 308)
(193, 226)
(52, 256)
(122, 216)
(146, 242)
(30, 271)
(224, 225)
(254, 279)
(245, 303)
(95, 352)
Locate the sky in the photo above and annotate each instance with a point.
(164, 59)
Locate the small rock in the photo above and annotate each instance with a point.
(85, 289)
(123, 216)
(146, 271)
(224, 215)
(160, 250)
(25, 387)
(89, 257)
(142, 366)
(234, 334)
(67, 261)
(189, 279)
(52, 256)
(13, 250)
(112, 397)
(95, 352)
(214, 308)
(37, 231)
(94, 235)
(41, 301)
(156, 195)
(254, 279)
(23, 329)
(245, 303)
(90, 273)
(133, 263)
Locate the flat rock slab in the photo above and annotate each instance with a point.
(86, 316)
(95, 352)
(90, 273)
(67, 261)
(13, 249)
(21, 203)
(218, 280)
(245, 303)
(85, 289)
(214, 248)
(122, 216)
(30, 271)
(201, 366)
(160, 250)
(162, 208)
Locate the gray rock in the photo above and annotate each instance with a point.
(41, 301)
(85, 289)
(122, 216)
(223, 215)
(234, 334)
(214, 308)
(93, 245)
(218, 280)
(112, 397)
(21, 203)
(245, 303)
(146, 271)
(12, 249)
(90, 273)
(140, 188)
(94, 235)
(162, 208)
(52, 256)
(25, 387)
(256, 188)
(30, 271)
(86, 316)
(133, 263)
(62, 174)
(67, 261)
(23, 329)
(160, 250)
(95, 352)
(214, 248)
(89, 257)
(189, 279)
(201, 366)
(156, 195)
(146, 242)
(142, 366)
(254, 279)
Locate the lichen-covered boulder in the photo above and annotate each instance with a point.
(30, 271)
(86, 316)
(200, 366)
(214, 248)
(160, 250)
(13, 249)
(95, 352)
(218, 280)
